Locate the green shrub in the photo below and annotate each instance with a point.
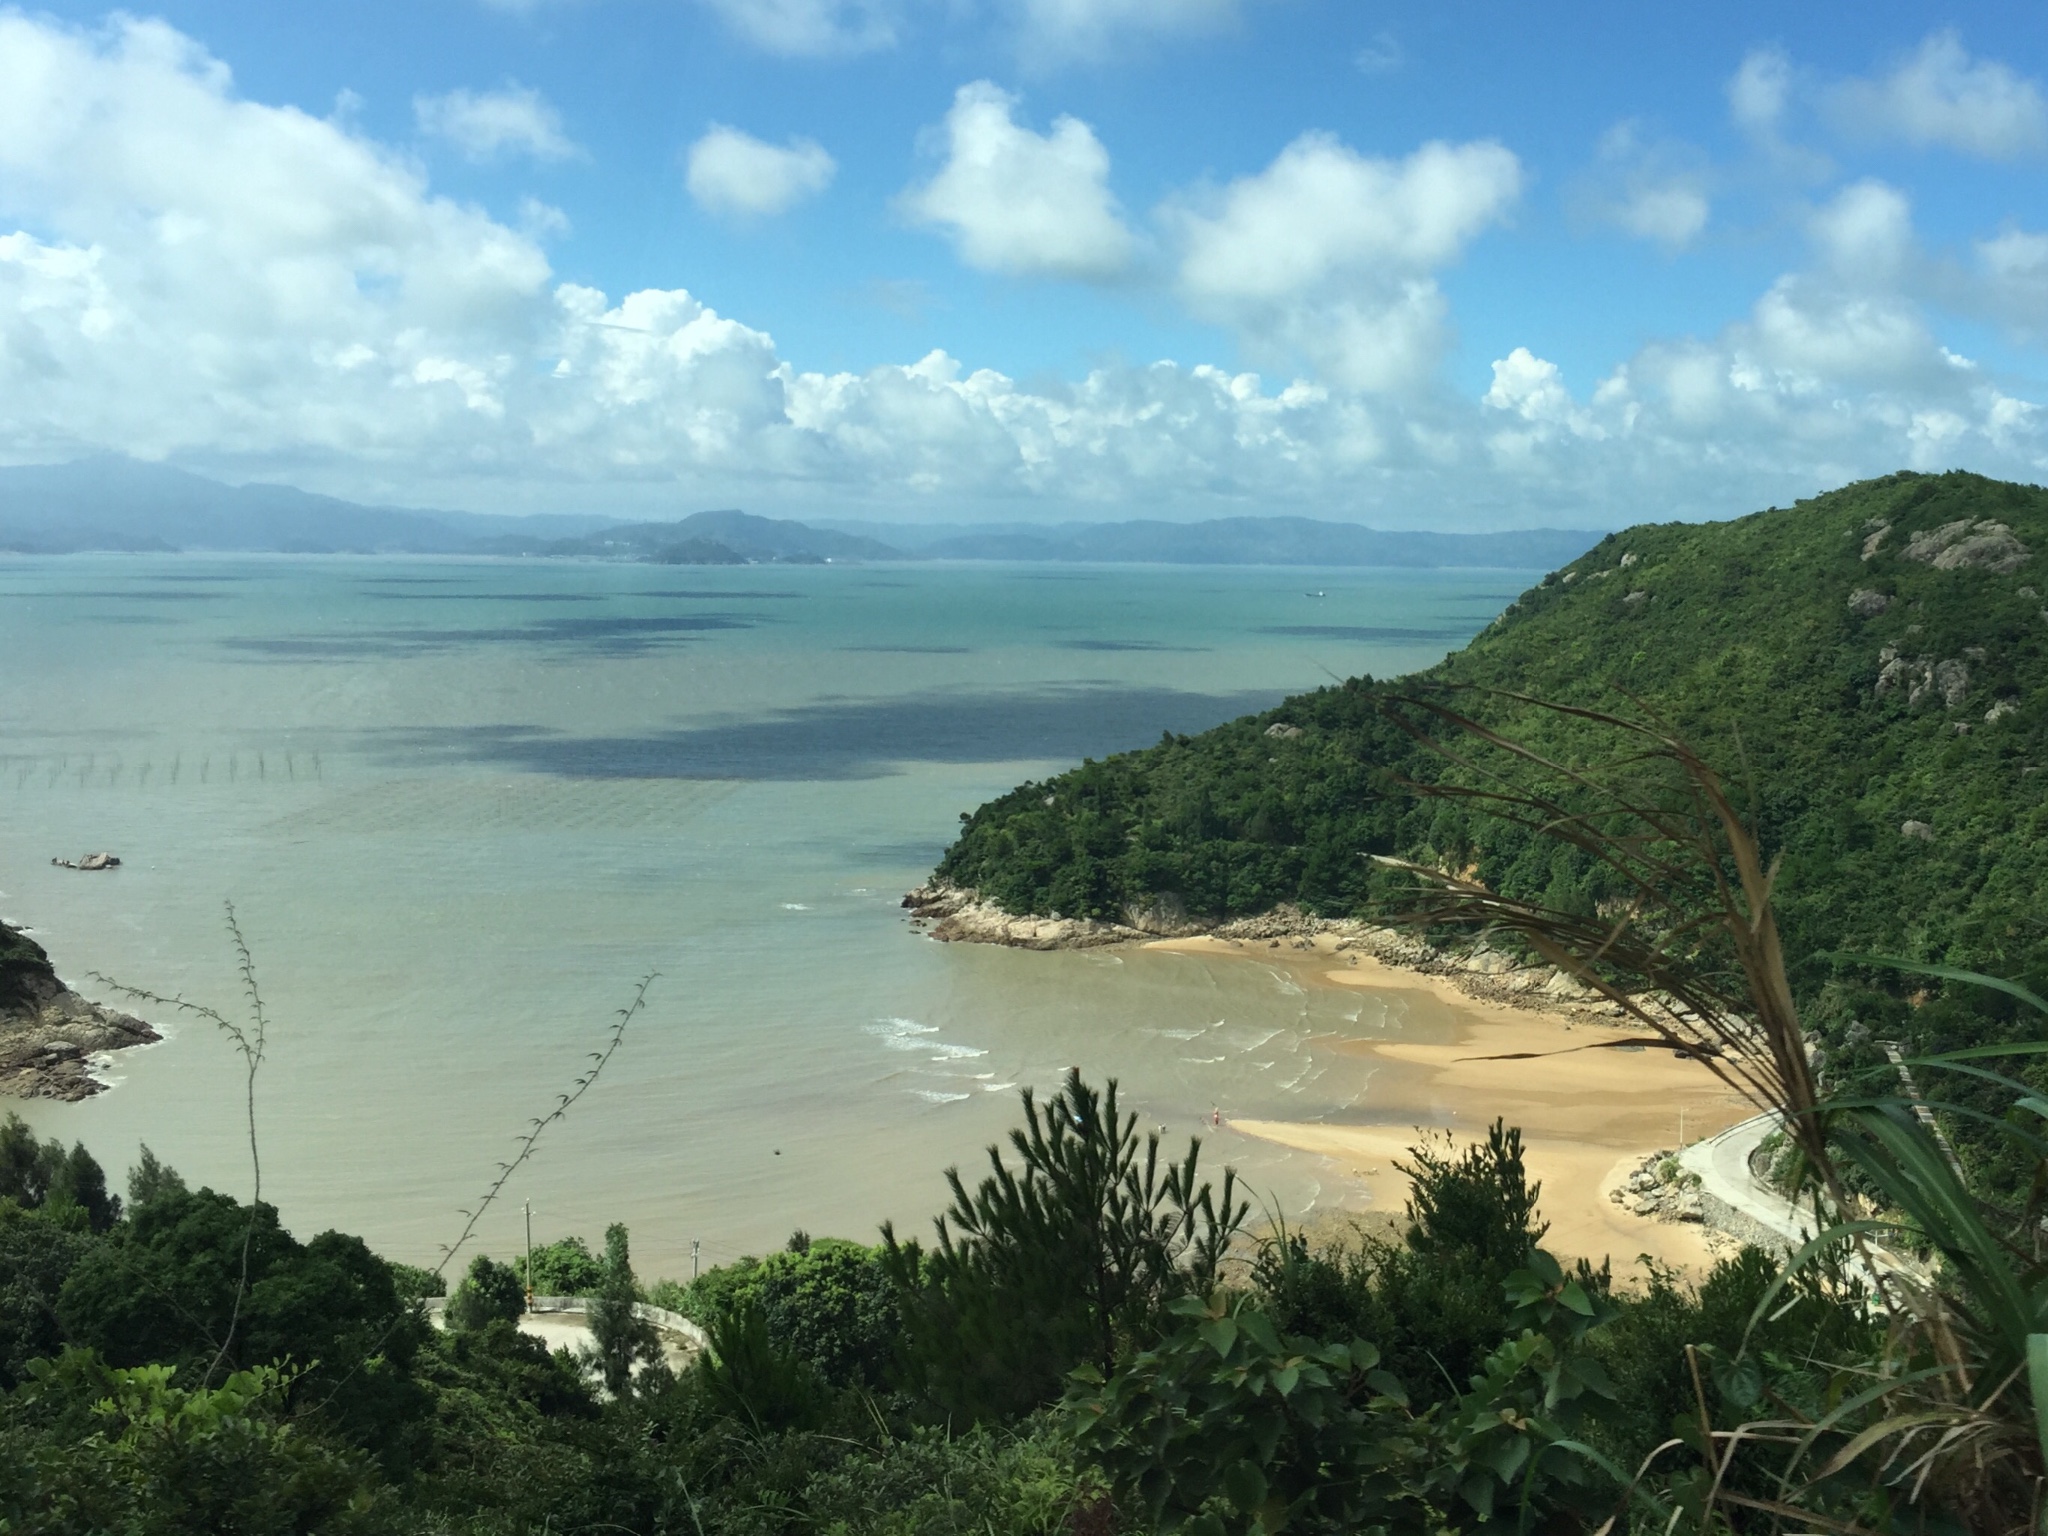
(489, 1293)
(564, 1268)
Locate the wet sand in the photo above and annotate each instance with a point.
(1589, 1111)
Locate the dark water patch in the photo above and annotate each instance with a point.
(603, 637)
(135, 594)
(888, 583)
(904, 855)
(913, 650)
(415, 581)
(1364, 632)
(736, 595)
(1124, 645)
(178, 576)
(844, 738)
(487, 597)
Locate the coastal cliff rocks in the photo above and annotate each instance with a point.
(953, 914)
(48, 1033)
(960, 915)
(1867, 603)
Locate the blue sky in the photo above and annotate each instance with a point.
(1466, 265)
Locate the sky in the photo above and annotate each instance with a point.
(1463, 266)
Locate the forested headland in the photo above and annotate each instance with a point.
(1869, 667)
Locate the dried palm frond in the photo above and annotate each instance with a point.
(1693, 953)
(1956, 1402)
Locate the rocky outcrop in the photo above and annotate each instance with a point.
(49, 1035)
(1867, 603)
(952, 914)
(1923, 678)
(1661, 1189)
(1966, 544)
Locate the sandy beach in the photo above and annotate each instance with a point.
(1589, 1111)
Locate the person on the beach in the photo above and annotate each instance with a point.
(1215, 1116)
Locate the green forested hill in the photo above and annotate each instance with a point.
(1876, 656)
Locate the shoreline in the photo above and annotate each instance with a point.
(51, 1038)
(1531, 1046)
(1480, 974)
(1591, 1103)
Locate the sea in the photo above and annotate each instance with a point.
(462, 810)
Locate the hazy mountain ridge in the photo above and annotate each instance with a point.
(112, 503)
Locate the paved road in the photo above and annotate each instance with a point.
(560, 1322)
(1722, 1163)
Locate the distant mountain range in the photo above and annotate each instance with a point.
(1235, 541)
(112, 503)
(115, 503)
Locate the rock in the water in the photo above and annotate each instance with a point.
(48, 1033)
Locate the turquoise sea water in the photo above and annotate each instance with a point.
(461, 806)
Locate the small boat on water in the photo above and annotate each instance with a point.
(1315, 594)
(89, 861)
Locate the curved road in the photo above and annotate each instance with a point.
(1722, 1163)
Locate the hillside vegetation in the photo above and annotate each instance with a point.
(1870, 662)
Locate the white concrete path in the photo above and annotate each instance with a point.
(1722, 1163)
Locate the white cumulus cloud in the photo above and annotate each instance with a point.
(259, 293)
(1053, 31)
(486, 124)
(1330, 255)
(1759, 91)
(812, 28)
(1654, 191)
(1940, 95)
(1865, 232)
(1672, 213)
(1023, 203)
(2013, 278)
(731, 172)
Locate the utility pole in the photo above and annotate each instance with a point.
(695, 1244)
(527, 1206)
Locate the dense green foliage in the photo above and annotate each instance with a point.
(621, 1341)
(1059, 1261)
(1722, 628)
(826, 1302)
(566, 1267)
(491, 1292)
(1455, 1378)
(36, 1174)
